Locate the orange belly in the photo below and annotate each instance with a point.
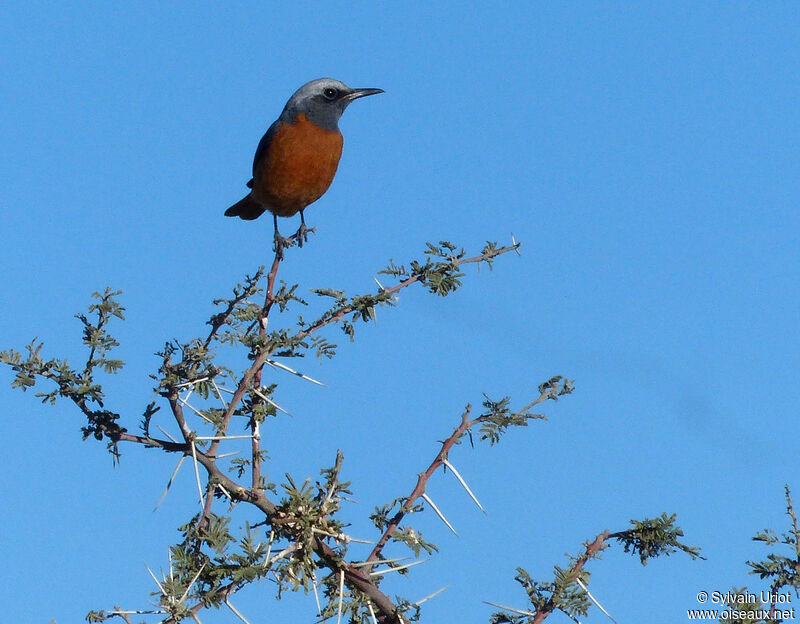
(298, 167)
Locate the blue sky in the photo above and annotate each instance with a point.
(647, 158)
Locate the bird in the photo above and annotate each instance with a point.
(297, 158)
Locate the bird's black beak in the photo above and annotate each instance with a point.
(359, 93)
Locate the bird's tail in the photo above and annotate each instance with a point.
(246, 208)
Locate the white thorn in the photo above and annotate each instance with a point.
(361, 564)
(169, 556)
(512, 609)
(360, 541)
(341, 537)
(161, 429)
(169, 483)
(197, 477)
(372, 613)
(228, 437)
(429, 596)
(226, 454)
(271, 402)
(191, 383)
(281, 555)
(341, 597)
(160, 587)
(397, 569)
(189, 587)
(439, 513)
(378, 283)
(224, 491)
(269, 545)
(239, 615)
(464, 484)
(276, 364)
(196, 411)
(594, 600)
(316, 593)
(219, 394)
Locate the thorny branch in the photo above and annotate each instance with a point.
(549, 390)
(440, 274)
(307, 523)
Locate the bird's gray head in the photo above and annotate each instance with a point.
(323, 101)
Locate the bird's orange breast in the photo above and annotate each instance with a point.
(298, 166)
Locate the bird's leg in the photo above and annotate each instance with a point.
(280, 242)
(302, 232)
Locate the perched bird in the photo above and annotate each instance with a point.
(297, 157)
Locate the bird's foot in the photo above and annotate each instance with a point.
(280, 244)
(301, 236)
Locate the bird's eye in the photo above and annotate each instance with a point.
(330, 94)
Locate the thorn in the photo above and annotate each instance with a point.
(160, 428)
(224, 491)
(198, 412)
(515, 244)
(160, 587)
(271, 402)
(236, 612)
(341, 597)
(280, 365)
(191, 383)
(189, 587)
(378, 283)
(463, 483)
(429, 596)
(594, 600)
(269, 545)
(361, 564)
(226, 454)
(439, 513)
(512, 609)
(316, 593)
(219, 394)
(372, 613)
(360, 541)
(169, 484)
(230, 437)
(397, 569)
(197, 477)
(341, 537)
(169, 556)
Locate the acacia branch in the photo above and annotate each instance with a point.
(422, 482)
(592, 549)
(438, 461)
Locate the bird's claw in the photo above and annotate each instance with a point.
(280, 244)
(301, 236)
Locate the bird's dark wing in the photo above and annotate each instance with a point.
(263, 146)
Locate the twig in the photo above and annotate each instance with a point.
(422, 482)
